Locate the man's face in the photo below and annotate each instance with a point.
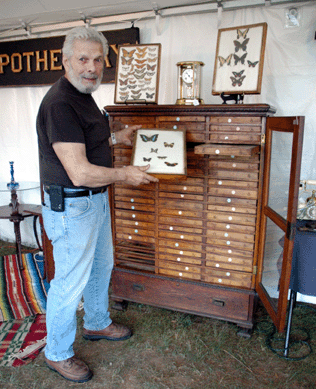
(84, 69)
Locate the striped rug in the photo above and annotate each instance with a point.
(23, 293)
(21, 340)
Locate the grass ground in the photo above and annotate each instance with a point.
(172, 350)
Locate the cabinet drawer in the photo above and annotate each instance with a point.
(140, 225)
(238, 209)
(252, 185)
(230, 236)
(179, 221)
(234, 174)
(235, 192)
(233, 203)
(222, 262)
(235, 120)
(134, 231)
(186, 205)
(120, 235)
(135, 216)
(234, 164)
(235, 129)
(179, 270)
(215, 149)
(180, 259)
(229, 278)
(241, 138)
(181, 196)
(134, 206)
(228, 252)
(179, 254)
(228, 227)
(233, 218)
(179, 212)
(180, 245)
(204, 299)
(181, 236)
(231, 244)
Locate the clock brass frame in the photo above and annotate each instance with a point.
(189, 93)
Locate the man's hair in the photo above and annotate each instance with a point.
(83, 33)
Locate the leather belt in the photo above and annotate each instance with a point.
(81, 193)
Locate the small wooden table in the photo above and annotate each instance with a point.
(16, 213)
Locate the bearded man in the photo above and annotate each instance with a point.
(75, 166)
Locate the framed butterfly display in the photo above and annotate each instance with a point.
(164, 150)
(137, 74)
(239, 59)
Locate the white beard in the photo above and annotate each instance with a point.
(77, 82)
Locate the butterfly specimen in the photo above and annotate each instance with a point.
(140, 71)
(150, 74)
(132, 82)
(162, 157)
(146, 138)
(152, 59)
(239, 74)
(124, 88)
(237, 81)
(126, 61)
(171, 164)
(140, 55)
(152, 49)
(152, 68)
(148, 80)
(128, 53)
(150, 96)
(135, 91)
(140, 66)
(242, 34)
(252, 64)
(123, 82)
(131, 86)
(123, 75)
(241, 45)
(140, 61)
(141, 50)
(241, 59)
(146, 159)
(151, 89)
(154, 150)
(124, 93)
(139, 76)
(222, 60)
(168, 144)
(136, 97)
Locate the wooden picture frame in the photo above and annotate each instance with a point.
(137, 74)
(163, 149)
(239, 59)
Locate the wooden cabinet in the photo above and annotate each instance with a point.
(192, 244)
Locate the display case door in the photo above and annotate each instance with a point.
(283, 149)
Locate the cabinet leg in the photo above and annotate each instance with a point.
(245, 333)
(120, 305)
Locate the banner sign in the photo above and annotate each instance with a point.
(39, 61)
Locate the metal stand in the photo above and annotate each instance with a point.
(293, 295)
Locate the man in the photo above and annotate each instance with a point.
(75, 163)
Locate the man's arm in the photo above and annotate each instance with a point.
(82, 173)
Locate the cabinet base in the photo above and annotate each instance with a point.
(229, 304)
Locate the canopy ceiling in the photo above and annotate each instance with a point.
(18, 18)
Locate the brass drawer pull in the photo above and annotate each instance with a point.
(138, 287)
(219, 303)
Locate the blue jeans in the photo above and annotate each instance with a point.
(83, 256)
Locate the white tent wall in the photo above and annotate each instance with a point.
(289, 84)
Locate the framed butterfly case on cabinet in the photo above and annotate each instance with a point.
(137, 74)
(163, 149)
(239, 59)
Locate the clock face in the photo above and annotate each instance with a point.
(187, 76)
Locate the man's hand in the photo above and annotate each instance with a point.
(135, 175)
(125, 136)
